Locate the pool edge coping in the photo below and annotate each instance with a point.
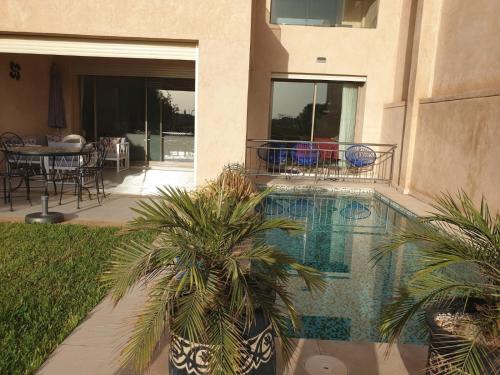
(344, 189)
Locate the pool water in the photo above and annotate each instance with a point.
(340, 233)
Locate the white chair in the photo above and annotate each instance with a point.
(118, 152)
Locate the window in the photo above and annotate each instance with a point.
(313, 110)
(343, 13)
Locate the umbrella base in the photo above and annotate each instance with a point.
(40, 218)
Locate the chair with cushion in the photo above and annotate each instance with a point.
(29, 141)
(329, 155)
(328, 150)
(53, 138)
(117, 151)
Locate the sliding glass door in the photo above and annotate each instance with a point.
(313, 110)
(171, 121)
(155, 115)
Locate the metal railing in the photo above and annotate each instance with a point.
(339, 161)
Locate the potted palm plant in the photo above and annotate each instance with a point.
(455, 290)
(213, 283)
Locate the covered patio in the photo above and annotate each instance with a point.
(138, 97)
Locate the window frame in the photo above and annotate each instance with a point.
(360, 80)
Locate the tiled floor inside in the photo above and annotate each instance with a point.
(143, 181)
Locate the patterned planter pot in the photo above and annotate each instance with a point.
(440, 341)
(188, 358)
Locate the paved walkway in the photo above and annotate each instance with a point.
(123, 189)
(92, 349)
(115, 209)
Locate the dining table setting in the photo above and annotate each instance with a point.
(47, 156)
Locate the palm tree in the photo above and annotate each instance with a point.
(458, 253)
(209, 273)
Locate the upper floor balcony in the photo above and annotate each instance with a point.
(326, 13)
(321, 159)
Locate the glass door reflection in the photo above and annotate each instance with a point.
(155, 115)
(178, 130)
(170, 121)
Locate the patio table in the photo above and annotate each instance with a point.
(50, 153)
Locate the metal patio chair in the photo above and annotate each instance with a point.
(89, 171)
(17, 169)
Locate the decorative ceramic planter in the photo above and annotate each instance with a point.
(188, 358)
(439, 343)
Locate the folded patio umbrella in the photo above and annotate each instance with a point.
(57, 118)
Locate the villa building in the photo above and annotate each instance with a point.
(195, 82)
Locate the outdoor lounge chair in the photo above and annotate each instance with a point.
(118, 152)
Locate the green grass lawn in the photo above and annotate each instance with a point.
(49, 281)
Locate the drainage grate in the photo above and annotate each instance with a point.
(325, 365)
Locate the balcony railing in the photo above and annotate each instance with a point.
(320, 160)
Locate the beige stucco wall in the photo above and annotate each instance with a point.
(392, 130)
(420, 77)
(468, 51)
(453, 105)
(457, 148)
(349, 51)
(222, 33)
(24, 102)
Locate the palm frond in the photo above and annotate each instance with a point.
(457, 248)
(149, 326)
(210, 269)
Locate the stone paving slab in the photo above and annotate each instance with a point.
(93, 347)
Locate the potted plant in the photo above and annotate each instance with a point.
(212, 282)
(456, 286)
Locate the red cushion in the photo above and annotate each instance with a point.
(328, 151)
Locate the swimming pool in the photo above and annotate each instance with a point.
(341, 230)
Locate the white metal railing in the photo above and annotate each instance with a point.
(320, 160)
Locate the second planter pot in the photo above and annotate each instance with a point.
(258, 352)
